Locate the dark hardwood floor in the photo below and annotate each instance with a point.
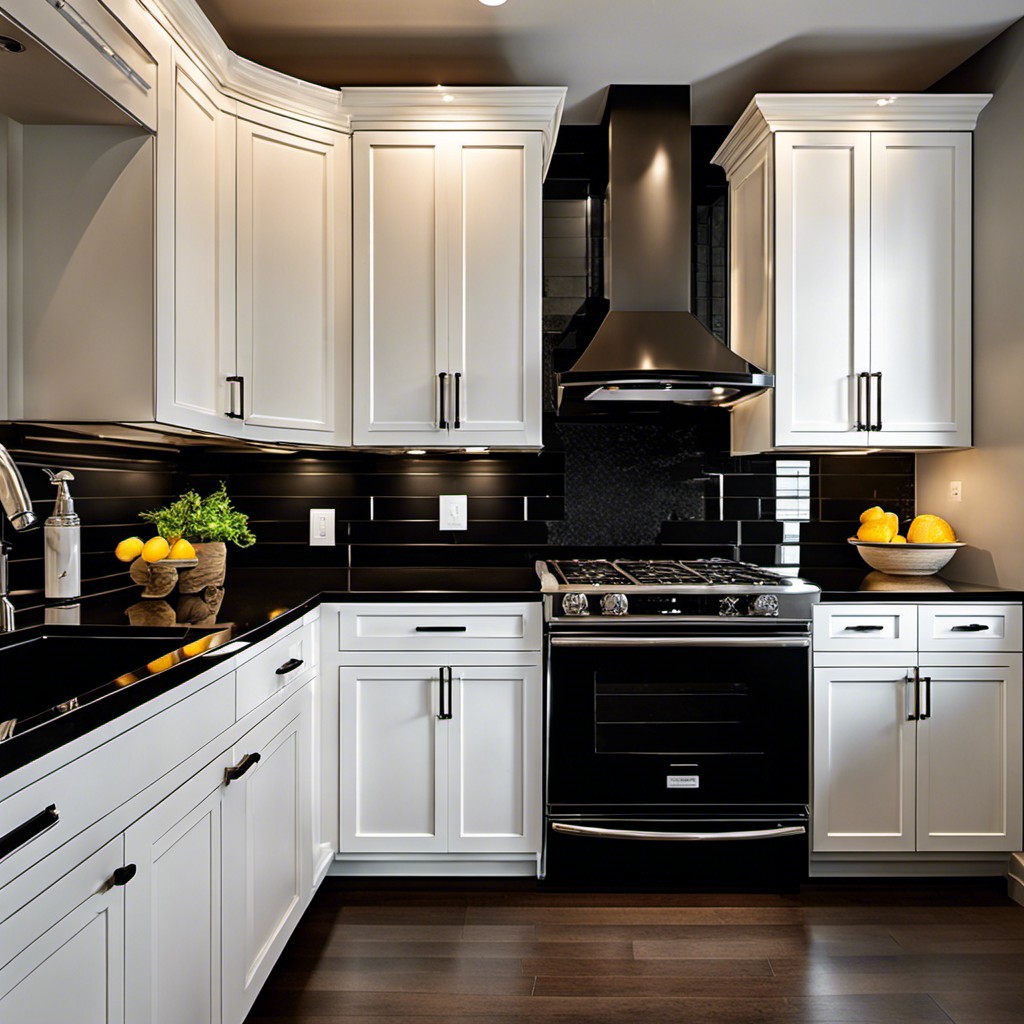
(856, 953)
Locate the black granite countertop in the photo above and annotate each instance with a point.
(257, 602)
(857, 585)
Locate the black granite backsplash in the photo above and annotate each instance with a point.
(604, 489)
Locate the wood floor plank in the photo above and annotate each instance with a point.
(452, 966)
(707, 967)
(356, 980)
(982, 1007)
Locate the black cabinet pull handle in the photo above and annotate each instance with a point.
(972, 627)
(863, 629)
(236, 771)
(440, 629)
(877, 425)
(926, 704)
(912, 715)
(442, 423)
(28, 830)
(444, 708)
(458, 388)
(122, 876)
(861, 378)
(240, 381)
(289, 666)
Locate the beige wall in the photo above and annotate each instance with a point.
(991, 515)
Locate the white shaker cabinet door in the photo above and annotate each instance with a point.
(822, 293)
(864, 760)
(969, 783)
(63, 953)
(921, 288)
(198, 256)
(401, 194)
(293, 352)
(267, 851)
(173, 906)
(393, 760)
(495, 289)
(494, 760)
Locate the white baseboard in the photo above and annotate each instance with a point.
(411, 866)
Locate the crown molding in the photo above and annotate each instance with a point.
(494, 108)
(770, 112)
(876, 111)
(749, 132)
(241, 78)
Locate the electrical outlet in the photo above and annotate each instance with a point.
(321, 527)
(452, 514)
(956, 490)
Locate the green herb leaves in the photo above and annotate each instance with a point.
(201, 520)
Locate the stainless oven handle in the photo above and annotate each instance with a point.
(680, 641)
(678, 837)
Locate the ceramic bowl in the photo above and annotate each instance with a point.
(905, 559)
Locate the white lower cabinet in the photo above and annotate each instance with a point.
(923, 757)
(416, 781)
(63, 953)
(224, 868)
(267, 858)
(864, 760)
(969, 771)
(173, 906)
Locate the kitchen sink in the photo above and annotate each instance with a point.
(50, 668)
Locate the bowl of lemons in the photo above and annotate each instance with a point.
(927, 546)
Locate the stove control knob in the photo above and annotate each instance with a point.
(729, 606)
(614, 604)
(765, 604)
(575, 604)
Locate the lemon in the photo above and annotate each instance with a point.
(928, 529)
(182, 549)
(875, 512)
(874, 531)
(898, 539)
(155, 549)
(129, 549)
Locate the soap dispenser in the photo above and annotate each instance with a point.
(62, 537)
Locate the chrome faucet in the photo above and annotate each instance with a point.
(18, 507)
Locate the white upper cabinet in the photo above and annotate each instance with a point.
(850, 235)
(196, 255)
(292, 280)
(447, 287)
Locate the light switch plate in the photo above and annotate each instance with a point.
(321, 527)
(452, 514)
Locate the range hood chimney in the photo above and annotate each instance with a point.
(650, 347)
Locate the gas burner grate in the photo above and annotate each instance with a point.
(720, 572)
(709, 572)
(591, 572)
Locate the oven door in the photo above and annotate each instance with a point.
(663, 721)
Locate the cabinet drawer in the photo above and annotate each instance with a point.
(92, 786)
(284, 661)
(440, 627)
(865, 627)
(970, 627)
(77, 34)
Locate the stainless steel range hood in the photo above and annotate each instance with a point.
(650, 347)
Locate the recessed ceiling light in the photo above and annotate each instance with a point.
(492, 3)
(886, 102)
(448, 97)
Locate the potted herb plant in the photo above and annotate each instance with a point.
(209, 524)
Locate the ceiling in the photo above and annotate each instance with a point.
(726, 49)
